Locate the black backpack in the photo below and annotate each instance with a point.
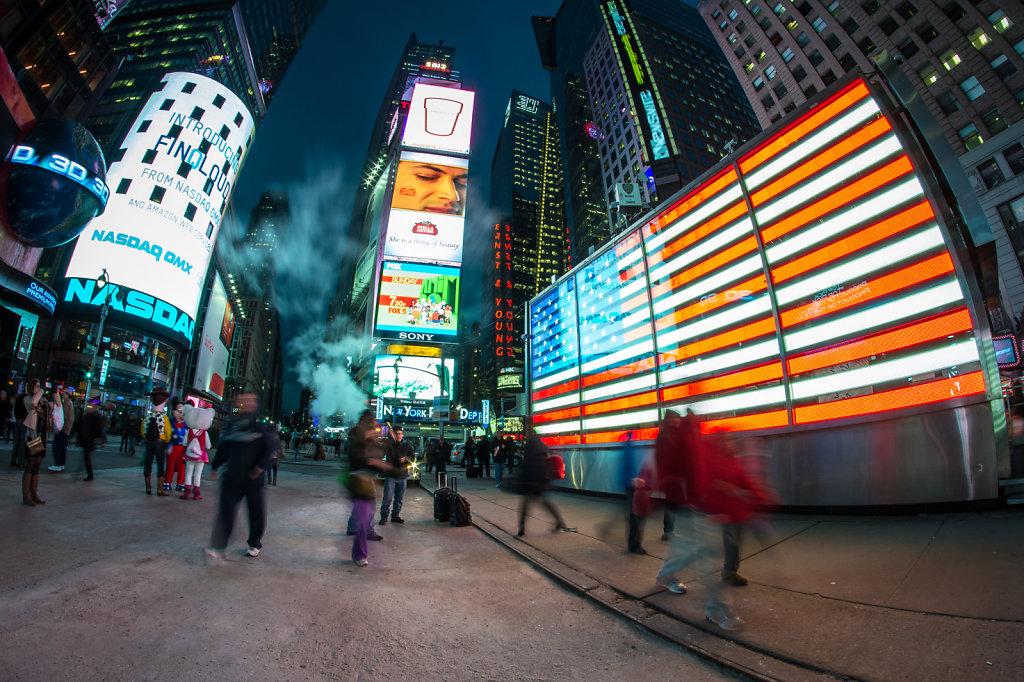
(20, 411)
(152, 429)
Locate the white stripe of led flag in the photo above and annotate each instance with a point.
(557, 378)
(810, 145)
(854, 216)
(913, 306)
(618, 387)
(698, 216)
(728, 317)
(562, 427)
(741, 357)
(740, 401)
(709, 285)
(704, 248)
(619, 356)
(556, 402)
(900, 368)
(621, 419)
(825, 183)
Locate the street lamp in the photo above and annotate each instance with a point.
(101, 282)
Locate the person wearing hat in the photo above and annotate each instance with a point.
(156, 431)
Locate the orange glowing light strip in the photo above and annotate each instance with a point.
(699, 233)
(687, 203)
(751, 286)
(746, 377)
(564, 413)
(840, 198)
(873, 289)
(826, 158)
(556, 389)
(897, 339)
(729, 338)
(912, 217)
(846, 99)
(635, 302)
(616, 436)
(707, 265)
(636, 367)
(561, 440)
(748, 422)
(624, 403)
(911, 396)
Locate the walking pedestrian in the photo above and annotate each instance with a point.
(365, 459)
(483, 456)
(444, 453)
(534, 481)
(246, 448)
(499, 457)
(398, 455)
(91, 432)
(278, 450)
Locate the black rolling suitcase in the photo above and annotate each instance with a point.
(442, 499)
(472, 471)
(458, 513)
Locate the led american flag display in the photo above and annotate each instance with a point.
(805, 280)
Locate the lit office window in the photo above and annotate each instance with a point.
(929, 75)
(972, 88)
(1000, 22)
(769, 72)
(787, 54)
(950, 59)
(758, 83)
(970, 136)
(994, 121)
(990, 173)
(819, 24)
(979, 38)
(1019, 48)
(779, 9)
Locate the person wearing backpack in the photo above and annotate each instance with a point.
(156, 431)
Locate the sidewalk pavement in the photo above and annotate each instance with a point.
(927, 597)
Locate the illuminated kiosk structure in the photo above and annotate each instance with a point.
(813, 291)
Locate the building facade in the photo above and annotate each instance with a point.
(964, 60)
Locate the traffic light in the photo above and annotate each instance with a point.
(88, 374)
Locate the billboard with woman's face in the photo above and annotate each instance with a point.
(428, 206)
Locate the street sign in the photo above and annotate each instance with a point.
(441, 409)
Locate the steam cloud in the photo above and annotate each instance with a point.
(304, 265)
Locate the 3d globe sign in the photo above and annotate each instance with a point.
(56, 183)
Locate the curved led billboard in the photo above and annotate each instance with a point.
(170, 183)
(806, 282)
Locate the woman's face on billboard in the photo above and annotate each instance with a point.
(430, 187)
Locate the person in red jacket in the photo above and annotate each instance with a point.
(702, 474)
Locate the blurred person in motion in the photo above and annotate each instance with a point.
(91, 432)
(247, 449)
(751, 455)
(444, 453)
(467, 452)
(398, 455)
(483, 456)
(275, 435)
(718, 492)
(534, 480)
(365, 460)
(430, 454)
(361, 438)
(34, 425)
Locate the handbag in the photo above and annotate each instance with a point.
(362, 485)
(35, 446)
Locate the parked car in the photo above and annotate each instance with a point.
(457, 453)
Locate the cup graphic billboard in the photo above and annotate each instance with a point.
(441, 115)
(439, 119)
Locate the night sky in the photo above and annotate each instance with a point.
(322, 116)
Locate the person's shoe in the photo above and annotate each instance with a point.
(638, 550)
(733, 578)
(664, 537)
(87, 479)
(383, 521)
(729, 621)
(180, 487)
(362, 562)
(375, 536)
(187, 494)
(53, 468)
(672, 585)
(397, 519)
(214, 557)
(521, 533)
(253, 552)
(350, 532)
(196, 495)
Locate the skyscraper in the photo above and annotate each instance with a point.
(962, 60)
(643, 97)
(530, 237)
(349, 303)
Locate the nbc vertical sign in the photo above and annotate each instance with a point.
(169, 187)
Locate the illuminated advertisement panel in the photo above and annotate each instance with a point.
(418, 302)
(412, 377)
(169, 187)
(439, 118)
(633, 65)
(806, 282)
(218, 331)
(427, 208)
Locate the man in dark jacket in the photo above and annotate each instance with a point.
(398, 455)
(247, 449)
(534, 480)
